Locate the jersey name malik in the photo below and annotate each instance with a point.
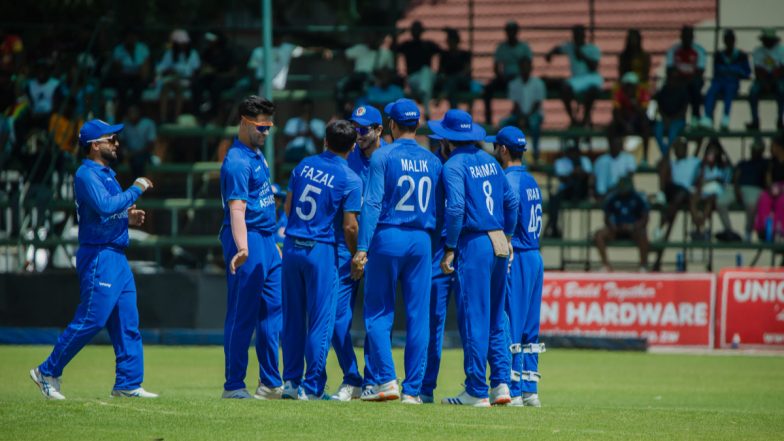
(483, 170)
(411, 165)
(317, 176)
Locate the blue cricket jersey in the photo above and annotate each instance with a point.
(245, 176)
(102, 206)
(322, 187)
(478, 196)
(403, 189)
(529, 217)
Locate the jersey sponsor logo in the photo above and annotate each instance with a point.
(105, 285)
(483, 171)
(411, 165)
(317, 176)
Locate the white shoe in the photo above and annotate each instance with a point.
(410, 399)
(291, 392)
(347, 392)
(50, 386)
(268, 393)
(237, 394)
(313, 397)
(465, 399)
(531, 400)
(139, 392)
(426, 399)
(384, 392)
(500, 395)
(706, 122)
(516, 402)
(725, 122)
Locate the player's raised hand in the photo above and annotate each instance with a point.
(446, 262)
(238, 260)
(135, 217)
(358, 265)
(144, 184)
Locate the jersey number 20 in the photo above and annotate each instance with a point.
(423, 193)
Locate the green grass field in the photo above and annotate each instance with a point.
(585, 395)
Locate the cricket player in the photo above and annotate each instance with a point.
(107, 288)
(481, 214)
(441, 288)
(321, 187)
(253, 260)
(402, 202)
(526, 273)
(368, 125)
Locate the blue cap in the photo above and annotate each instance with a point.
(366, 116)
(511, 137)
(457, 125)
(277, 191)
(403, 111)
(96, 129)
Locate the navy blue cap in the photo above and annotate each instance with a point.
(511, 137)
(366, 116)
(457, 125)
(97, 129)
(403, 111)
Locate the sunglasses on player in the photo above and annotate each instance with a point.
(362, 131)
(111, 139)
(262, 127)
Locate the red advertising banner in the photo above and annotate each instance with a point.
(751, 308)
(667, 309)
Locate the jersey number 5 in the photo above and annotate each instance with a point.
(305, 198)
(423, 193)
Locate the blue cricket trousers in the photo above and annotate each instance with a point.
(344, 313)
(309, 294)
(440, 290)
(108, 298)
(480, 292)
(524, 303)
(397, 255)
(253, 303)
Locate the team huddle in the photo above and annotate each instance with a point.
(456, 221)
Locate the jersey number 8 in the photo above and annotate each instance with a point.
(423, 193)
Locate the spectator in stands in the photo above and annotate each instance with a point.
(613, 166)
(586, 82)
(711, 188)
(527, 92)
(672, 103)
(630, 106)
(64, 127)
(625, 217)
(216, 74)
(676, 181)
(749, 183)
(11, 51)
(729, 67)
(368, 57)
(770, 207)
(686, 62)
(768, 77)
(283, 52)
(454, 69)
(419, 54)
(505, 66)
(138, 140)
(176, 70)
(575, 183)
(42, 91)
(383, 90)
(130, 68)
(634, 58)
(303, 134)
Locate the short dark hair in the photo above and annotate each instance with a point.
(341, 136)
(254, 106)
(516, 155)
(406, 129)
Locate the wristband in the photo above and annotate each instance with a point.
(142, 182)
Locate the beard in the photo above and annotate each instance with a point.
(109, 155)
